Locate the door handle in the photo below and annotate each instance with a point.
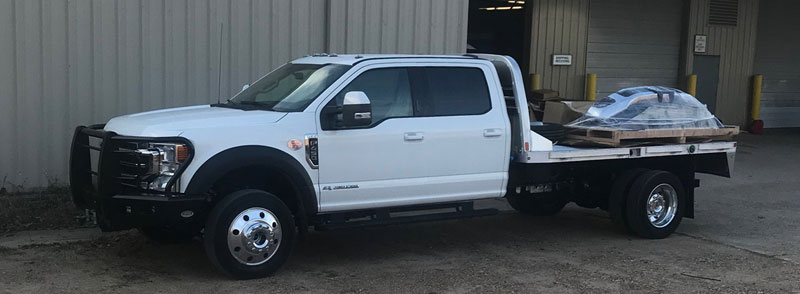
(492, 132)
(414, 136)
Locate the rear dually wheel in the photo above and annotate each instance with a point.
(655, 204)
(618, 197)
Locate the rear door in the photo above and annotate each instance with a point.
(438, 134)
(467, 133)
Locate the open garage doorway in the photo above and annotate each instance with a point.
(498, 27)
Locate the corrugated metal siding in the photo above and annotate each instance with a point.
(560, 27)
(634, 43)
(736, 48)
(65, 63)
(75, 62)
(776, 58)
(398, 26)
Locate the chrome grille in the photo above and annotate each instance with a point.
(132, 167)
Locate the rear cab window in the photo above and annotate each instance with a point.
(455, 91)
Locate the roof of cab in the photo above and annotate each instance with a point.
(351, 59)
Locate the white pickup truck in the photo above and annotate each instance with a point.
(332, 141)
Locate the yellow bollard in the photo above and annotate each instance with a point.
(756, 109)
(536, 82)
(591, 87)
(691, 85)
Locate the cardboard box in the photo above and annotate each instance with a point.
(564, 112)
(540, 102)
(543, 94)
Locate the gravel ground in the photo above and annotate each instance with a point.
(745, 240)
(574, 252)
(45, 210)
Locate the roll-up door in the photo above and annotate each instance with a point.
(633, 43)
(777, 47)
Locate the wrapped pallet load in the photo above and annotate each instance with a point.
(648, 107)
(643, 116)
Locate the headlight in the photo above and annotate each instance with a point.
(163, 161)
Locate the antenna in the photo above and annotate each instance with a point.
(219, 66)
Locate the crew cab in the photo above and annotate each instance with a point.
(333, 141)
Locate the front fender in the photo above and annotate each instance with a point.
(236, 158)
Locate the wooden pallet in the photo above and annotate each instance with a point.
(622, 138)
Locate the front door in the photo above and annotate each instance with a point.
(428, 141)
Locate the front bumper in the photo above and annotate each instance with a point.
(103, 178)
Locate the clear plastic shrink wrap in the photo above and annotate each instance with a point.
(648, 107)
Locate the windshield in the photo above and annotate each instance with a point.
(289, 88)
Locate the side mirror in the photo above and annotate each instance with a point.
(356, 109)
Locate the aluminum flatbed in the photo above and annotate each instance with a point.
(562, 153)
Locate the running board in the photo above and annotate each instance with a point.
(401, 215)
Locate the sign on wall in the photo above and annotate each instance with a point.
(700, 43)
(562, 59)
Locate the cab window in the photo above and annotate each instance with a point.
(389, 92)
(456, 91)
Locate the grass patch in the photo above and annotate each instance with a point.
(44, 210)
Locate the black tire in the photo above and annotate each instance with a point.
(618, 195)
(539, 204)
(636, 206)
(167, 236)
(220, 220)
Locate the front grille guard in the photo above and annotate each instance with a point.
(88, 183)
(115, 170)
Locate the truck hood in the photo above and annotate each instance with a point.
(173, 121)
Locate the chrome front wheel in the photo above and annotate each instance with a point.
(249, 234)
(254, 236)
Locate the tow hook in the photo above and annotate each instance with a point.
(88, 218)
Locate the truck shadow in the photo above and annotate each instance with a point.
(431, 239)
(332, 252)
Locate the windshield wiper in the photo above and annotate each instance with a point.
(245, 102)
(245, 105)
(255, 103)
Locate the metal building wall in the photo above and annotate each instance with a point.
(634, 43)
(776, 58)
(560, 27)
(736, 48)
(75, 62)
(65, 63)
(398, 26)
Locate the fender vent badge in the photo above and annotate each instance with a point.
(312, 151)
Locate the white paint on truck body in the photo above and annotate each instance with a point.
(401, 161)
